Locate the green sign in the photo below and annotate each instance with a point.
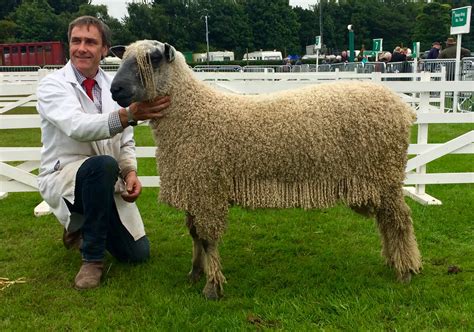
(415, 50)
(377, 45)
(459, 17)
(317, 42)
(370, 53)
(460, 20)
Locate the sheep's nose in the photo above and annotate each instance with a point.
(115, 89)
(120, 94)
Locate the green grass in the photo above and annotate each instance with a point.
(286, 269)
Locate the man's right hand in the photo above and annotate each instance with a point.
(145, 110)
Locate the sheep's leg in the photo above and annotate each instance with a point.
(366, 210)
(214, 288)
(198, 251)
(399, 247)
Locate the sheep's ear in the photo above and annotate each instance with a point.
(169, 52)
(117, 51)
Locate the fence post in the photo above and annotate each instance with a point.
(377, 76)
(442, 94)
(42, 73)
(418, 193)
(423, 130)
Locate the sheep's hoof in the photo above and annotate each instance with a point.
(195, 274)
(212, 291)
(405, 277)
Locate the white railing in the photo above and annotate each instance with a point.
(424, 91)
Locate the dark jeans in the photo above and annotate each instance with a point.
(102, 229)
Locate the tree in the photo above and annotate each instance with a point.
(67, 6)
(309, 27)
(146, 22)
(7, 7)
(432, 24)
(179, 23)
(36, 21)
(8, 31)
(240, 24)
(229, 26)
(274, 25)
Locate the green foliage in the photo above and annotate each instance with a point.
(8, 30)
(392, 21)
(241, 25)
(274, 24)
(230, 27)
(309, 27)
(7, 7)
(146, 22)
(36, 21)
(68, 6)
(432, 24)
(182, 24)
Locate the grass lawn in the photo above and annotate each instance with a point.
(286, 269)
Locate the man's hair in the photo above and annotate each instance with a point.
(91, 20)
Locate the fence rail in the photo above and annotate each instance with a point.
(425, 92)
(432, 65)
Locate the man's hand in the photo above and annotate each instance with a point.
(145, 110)
(133, 187)
(150, 109)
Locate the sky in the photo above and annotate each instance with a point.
(118, 8)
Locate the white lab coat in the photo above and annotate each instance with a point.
(72, 130)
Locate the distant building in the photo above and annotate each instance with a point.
(263, 55)
(214, 56)
(310, 50)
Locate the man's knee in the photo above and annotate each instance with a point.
(105, 168)
(106, 164)
(141, 251)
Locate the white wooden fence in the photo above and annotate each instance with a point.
(424, 91)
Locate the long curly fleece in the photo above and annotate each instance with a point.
(309, 148)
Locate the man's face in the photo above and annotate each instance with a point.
(86, 49)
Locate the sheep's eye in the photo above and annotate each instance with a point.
(155, 57)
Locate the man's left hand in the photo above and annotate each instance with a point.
(133, 187)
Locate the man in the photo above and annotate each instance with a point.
(434, 52)
(450, 51)
(88, 171)
(344, 56)
(398, 55)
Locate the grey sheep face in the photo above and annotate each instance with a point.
(141, 75)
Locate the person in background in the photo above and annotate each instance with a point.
(344, 56)
(385, 57)
(450, 51)
(434, 51)
(361, 56)
(407, 52)
(88, 170)
(398, 55)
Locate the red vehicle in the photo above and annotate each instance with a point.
(32, 54)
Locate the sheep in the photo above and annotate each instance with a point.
(309, 148)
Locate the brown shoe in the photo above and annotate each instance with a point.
(89, 275)
(72, 240)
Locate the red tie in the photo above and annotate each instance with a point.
(89, 84)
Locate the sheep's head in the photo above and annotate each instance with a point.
(141, 75)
